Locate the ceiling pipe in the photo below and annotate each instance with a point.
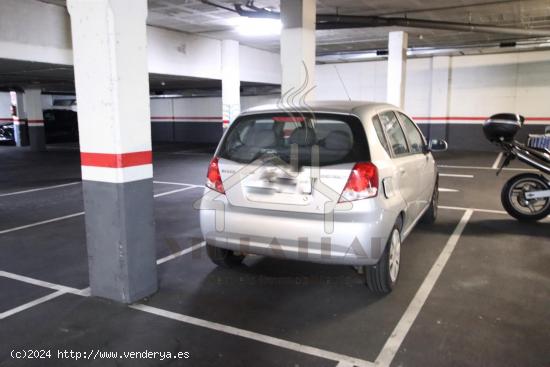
(488, 48)
(352, 21)
(329, 21)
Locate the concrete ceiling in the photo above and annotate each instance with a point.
(193, 16)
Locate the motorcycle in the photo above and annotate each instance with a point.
(526, 196)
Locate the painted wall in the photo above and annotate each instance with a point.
(451, 96)
(193, 120)
(34, 31)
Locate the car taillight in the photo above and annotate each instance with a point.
(213, 177)
(362, 183)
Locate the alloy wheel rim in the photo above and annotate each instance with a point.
(394, 255)
(521, 203)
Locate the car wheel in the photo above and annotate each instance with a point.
(223, 257)
(382, 277)
(430, 215)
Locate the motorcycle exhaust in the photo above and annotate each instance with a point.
(533, 162)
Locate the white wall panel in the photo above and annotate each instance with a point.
(5, 105)
(259, 66)
(479, 85)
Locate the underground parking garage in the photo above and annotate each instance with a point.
(275, 183)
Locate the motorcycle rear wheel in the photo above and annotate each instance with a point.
(517, 205)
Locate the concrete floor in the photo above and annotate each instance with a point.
(490, 304)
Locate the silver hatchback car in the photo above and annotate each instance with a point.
(336, 182)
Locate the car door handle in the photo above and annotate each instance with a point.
(402, 172)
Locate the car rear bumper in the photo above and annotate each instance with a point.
(353, 237)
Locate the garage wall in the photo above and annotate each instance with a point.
(451, 96)
(31, 30)
(194, 120)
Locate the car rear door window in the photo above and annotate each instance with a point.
(416, 141)
(380, 133)
(339, 138)
(394, 132)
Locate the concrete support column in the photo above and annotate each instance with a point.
(439, 98)
(231, 83)
(20, 129)
(35, 119)
(112, 89)
(298, 50)
(397, 66)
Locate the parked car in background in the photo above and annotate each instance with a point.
(61, 125)
(339, 182)
(64, 104)
(6, 132)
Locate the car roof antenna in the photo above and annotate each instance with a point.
(342, 81)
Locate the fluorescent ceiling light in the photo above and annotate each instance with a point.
(256, 27)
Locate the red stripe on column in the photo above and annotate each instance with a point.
(116, 160)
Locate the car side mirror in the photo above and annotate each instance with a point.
(437, 145)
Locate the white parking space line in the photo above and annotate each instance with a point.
(442, 189)
(455, 175)
(403, 326)
(82, 213)
(486, 168)
(41, 222)
(175, 191)
(253, 335)
(180, 253)
(343, 360)
(40, 189)
(474, 209)
(41, 283)
(61, 289)
(176, 183)
(31, 304)
(497, 161)
(344, 364)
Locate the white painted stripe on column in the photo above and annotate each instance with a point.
(117, 175)
(403, 326)
(40, 189)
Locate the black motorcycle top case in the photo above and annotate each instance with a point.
(502, 126)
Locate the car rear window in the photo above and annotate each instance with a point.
(340, 138)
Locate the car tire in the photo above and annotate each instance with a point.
(430, 215)
(382, 277)
(223, 257)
